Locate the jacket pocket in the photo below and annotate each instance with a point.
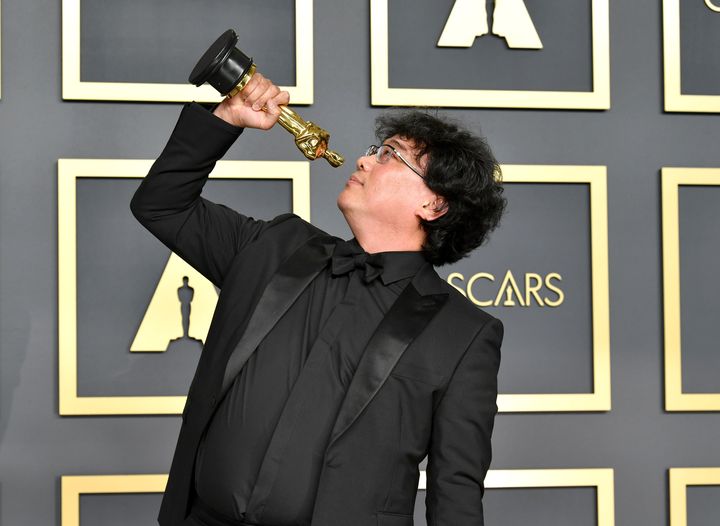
(385, 518)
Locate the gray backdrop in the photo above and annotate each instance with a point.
(545, 230)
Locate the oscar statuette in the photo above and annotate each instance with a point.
(228, 70)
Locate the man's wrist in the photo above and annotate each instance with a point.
(208, 108)
(220, 111)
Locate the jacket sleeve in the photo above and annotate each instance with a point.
(168, 202)
(460, 451)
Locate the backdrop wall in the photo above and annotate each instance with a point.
(603, 270)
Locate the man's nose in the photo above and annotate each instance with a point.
(364, 162)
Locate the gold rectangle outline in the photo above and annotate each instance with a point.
(69, 170)
(600, 398)
(383, 95)
(674, 99)
(600, 478)
(73, 88)
(679, 480)
(672, 178)
(73, 486)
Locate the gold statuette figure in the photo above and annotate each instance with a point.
(228, 70)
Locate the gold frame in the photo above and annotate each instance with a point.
(600, 398)
(679, 480)
(72, 486)
(600, 478)
(69, 170)
(672, 178)
(674, 99)
(75, 89)
(384, 95)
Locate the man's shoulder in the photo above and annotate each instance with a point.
(283, 235)
(293, 223)
(459, 305)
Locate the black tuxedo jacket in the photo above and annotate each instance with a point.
(425, 385)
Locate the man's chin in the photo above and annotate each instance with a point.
(345, 207)
(343, 201)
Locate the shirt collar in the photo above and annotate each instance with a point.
(397, 264)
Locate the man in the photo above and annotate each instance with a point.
(332, 368)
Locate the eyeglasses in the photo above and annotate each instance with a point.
(384, 152)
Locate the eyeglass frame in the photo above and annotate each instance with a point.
(377, 150)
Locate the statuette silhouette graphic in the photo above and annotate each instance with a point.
(511, 21)
(228, 70)
(176, 313)
(185, 296)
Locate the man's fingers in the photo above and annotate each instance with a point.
(254, 89)
(272, 107)
(258, 93)
(251, 87)
(281, 99)
(270, 120)
(271, 91)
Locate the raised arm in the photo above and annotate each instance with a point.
(168, 202)
(460, 450)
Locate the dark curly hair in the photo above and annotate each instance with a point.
(462, 169)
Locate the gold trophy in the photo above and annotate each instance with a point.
(228, 70)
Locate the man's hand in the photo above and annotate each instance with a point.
(245, 108)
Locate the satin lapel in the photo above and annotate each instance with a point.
(407, 317)
(287, 283)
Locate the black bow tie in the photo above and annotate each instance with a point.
(348, 256)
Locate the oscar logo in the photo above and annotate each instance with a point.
(535, 289)
(179, 312)
(510, 20)
(228, 70)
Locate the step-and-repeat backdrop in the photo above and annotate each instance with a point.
(603, 114)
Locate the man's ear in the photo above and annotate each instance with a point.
(435, 208)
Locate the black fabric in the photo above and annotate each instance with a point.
(260, 447)
(426, 383)
(203, 515)
(348, 256)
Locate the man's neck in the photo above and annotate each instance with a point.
(388, 241)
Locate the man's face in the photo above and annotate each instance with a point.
(387, 195)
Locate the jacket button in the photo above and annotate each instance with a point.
(213, 401)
